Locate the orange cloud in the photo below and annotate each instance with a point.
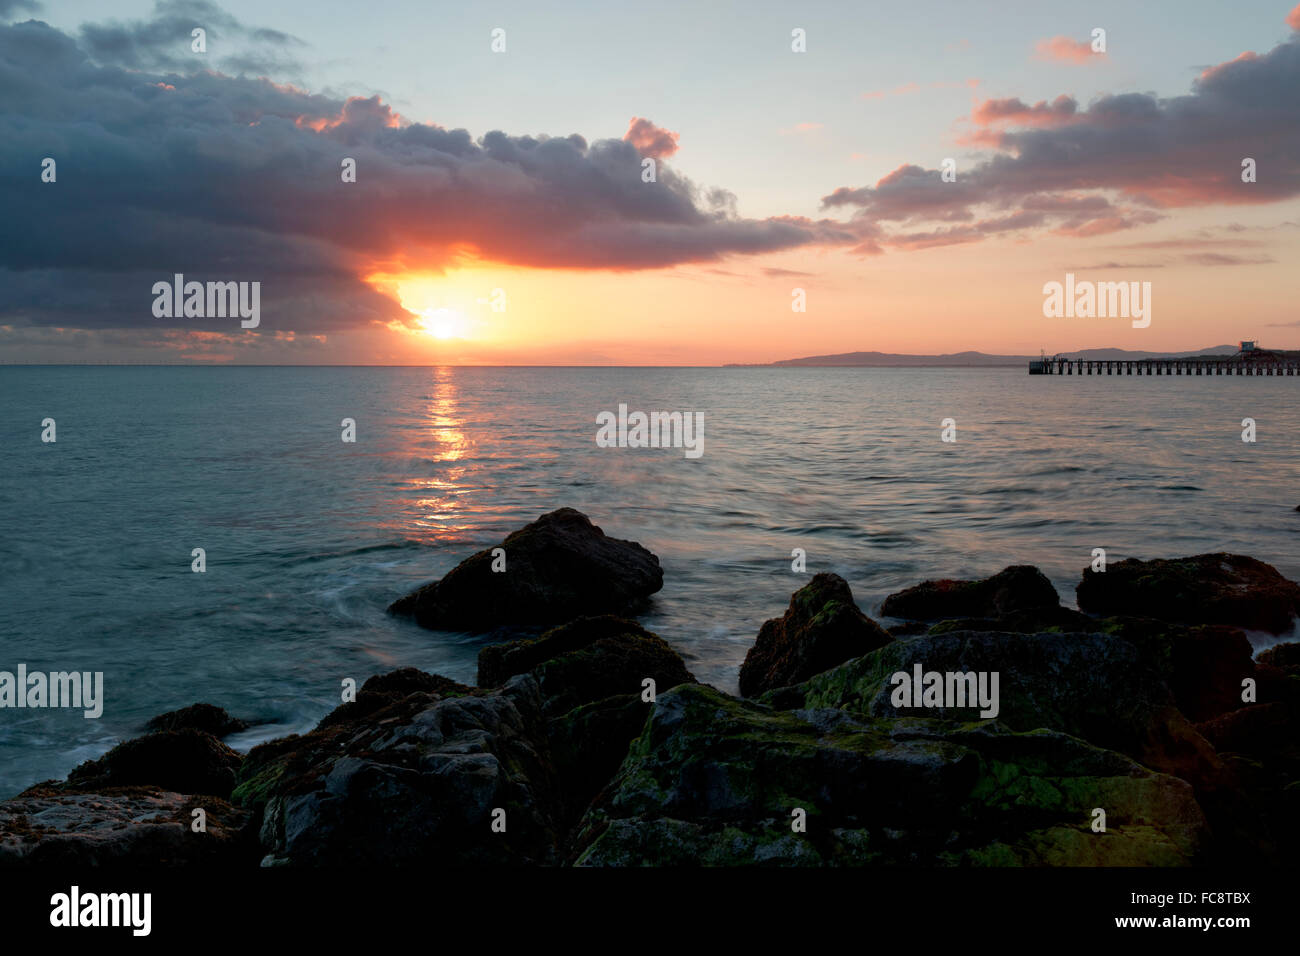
(1293, 18)
(1210, 72)
(1063, 49)
(649, 139)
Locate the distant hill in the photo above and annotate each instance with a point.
(971, 359)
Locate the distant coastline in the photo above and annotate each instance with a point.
(964, 359)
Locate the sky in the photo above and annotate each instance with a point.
(500, 212)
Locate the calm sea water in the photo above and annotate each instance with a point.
(308, 538)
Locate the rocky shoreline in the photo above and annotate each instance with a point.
(1139, 730)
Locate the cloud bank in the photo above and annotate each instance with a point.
(1124, 161)
(165, 165)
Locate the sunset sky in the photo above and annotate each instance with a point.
(521, 171)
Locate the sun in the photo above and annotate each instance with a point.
(443, 323)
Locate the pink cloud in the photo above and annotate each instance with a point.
(1117, 164)
(1063, 49)
(1293, 18)
(649, 139)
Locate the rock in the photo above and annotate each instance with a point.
(205, 717)
(1031, 621)
(1260, 744)
(557, 568)
(1203, 589)
(1094, 686)
(135, 827)
(584, 661)
(821, 628)
(1020, 587)
(384, 690)
(713, 781)
(590, 674)
(1204, 666)
(186, 761)
(588, 744)
(413, 783)
(1255, 729)
(1285, 657)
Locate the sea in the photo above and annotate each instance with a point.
(307, 538)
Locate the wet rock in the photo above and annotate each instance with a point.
(1018, 588)
(186, 761)
(821, 628)
(1216, 588)
(140, 826)
(559, 567)
(713, 780)
(204, 717)
(413, 783)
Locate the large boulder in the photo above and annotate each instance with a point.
(416, 782)
(1098, 687)
(135, 826)
(557, 568)
(1018, 588)
(717, 781)
(1203, 589)
(186, 761)
(821, 628)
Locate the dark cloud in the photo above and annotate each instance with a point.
(1014, 110)
(163, 42)
(10, 8)
(1120, 163)
(238, 178)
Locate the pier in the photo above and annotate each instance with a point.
(1226, 366)
(1249, 360)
